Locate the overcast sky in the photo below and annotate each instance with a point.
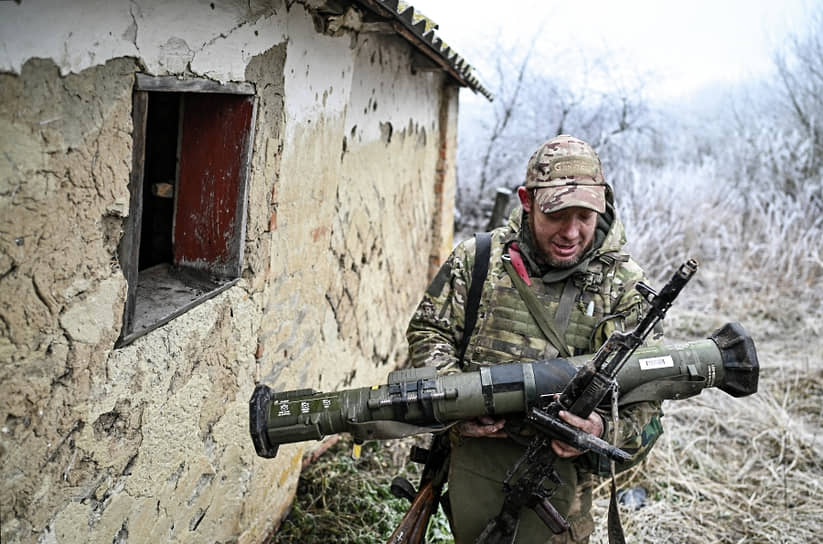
(689, 45)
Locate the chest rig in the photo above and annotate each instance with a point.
(564, 316)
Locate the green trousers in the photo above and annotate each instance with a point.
(477, 469)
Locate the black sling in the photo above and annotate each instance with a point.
(482, 254)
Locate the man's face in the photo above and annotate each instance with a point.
(562, 237)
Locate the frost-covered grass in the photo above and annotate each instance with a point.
(734, 470)
(760, 249)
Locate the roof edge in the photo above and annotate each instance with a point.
(418, 29)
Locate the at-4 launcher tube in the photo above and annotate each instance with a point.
(417, 401)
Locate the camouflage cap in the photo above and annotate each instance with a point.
(566, 172)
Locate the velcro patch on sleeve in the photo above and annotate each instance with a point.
(439, 281)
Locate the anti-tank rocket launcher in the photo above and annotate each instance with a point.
(415, 401)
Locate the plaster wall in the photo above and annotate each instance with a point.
(150, 442)
(217, 39)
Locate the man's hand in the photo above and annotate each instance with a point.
(482, 427)
(592, 425)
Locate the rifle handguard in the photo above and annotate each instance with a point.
(574, 437)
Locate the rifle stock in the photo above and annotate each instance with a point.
(412, 528)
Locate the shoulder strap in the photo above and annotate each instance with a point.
(480, 270)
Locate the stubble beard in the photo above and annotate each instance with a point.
(565, 263)
(546, 257)
(571, 262)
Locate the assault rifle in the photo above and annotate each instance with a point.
(523, 485)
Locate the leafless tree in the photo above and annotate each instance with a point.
(508, 96)
(534, 102)
(800, 72)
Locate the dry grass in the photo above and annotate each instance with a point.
(761, 250)
(737, 470)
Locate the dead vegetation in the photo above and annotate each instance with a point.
(737, 470)
(346, 500)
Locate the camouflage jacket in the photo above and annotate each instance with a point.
(505, 332)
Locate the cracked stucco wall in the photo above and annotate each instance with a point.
(351, 161)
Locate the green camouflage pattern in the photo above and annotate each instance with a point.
(506, 332)
(634, 436)
(566, 172)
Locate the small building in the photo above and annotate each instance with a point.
(196, 197)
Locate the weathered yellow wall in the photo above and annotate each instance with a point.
(150, 442)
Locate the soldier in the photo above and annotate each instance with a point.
(558, 284)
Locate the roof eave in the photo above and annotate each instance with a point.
(419, 31)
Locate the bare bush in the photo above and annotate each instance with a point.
(743, 193)
(800, 72)
(761, 251)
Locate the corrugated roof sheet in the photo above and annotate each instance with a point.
(419, 30)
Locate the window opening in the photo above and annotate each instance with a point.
(159, 178)
(184, 236)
